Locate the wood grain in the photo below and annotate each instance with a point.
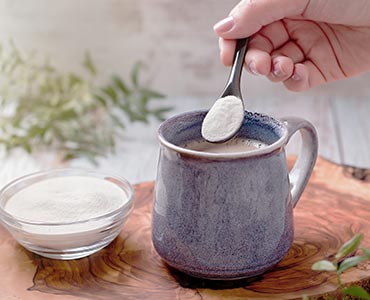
(332, 209)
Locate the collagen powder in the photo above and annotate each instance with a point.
(223, 120)
(66, 199)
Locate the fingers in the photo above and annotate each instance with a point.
(282, 69)
(249, 16)
(298, 82)
(270, 37)
(306, 75)
(277, 68)
(290, 49)
(227, 49)
(275, 34)
(296, 77)
(258, 62)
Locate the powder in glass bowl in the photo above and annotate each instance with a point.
(66, 199)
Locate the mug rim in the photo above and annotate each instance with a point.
(227, 155)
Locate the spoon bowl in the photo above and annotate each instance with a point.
(225, 117)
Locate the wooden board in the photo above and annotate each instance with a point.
(333, 208)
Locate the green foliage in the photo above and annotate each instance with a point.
(342, 262)
(349, 247)
(324, 265)
(357, 292)
(350, 262)
(70, 113)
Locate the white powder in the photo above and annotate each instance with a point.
(66, 199)
(223, 120)
(69, 199)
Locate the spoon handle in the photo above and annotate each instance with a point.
(233, 83)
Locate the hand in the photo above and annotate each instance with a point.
(302, 43)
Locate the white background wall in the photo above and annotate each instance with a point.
(174, 39)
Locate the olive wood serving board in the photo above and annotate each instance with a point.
(334, 207)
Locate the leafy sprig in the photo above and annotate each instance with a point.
(343, 261)
(41, 106)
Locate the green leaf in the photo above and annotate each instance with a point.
(139, 118)
(366, 252)
(350, 246)
(118, 82)
(356, 291)
(324, 265)
(68, 115)
(350, 262)
(68, 156)
(26, 146)
(101, 100)
(89, 64)
(36, 131)
(151, 94)
(162, 110)
(117, 121)
(126, 109)
(74, 79)
(159, 113)
(135, 73)
(111, 93)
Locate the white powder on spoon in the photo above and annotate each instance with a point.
(66, 199)
(223, 119)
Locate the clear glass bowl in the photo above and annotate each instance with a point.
(68, 240)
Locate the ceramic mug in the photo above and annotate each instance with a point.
(228, 215)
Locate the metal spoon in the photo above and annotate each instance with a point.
(225, 117)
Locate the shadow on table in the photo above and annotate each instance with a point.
(187, 281)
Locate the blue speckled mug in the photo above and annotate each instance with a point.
(228, 215)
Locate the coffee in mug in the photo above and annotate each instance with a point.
(232, 146)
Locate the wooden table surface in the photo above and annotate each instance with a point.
(343, 127)
(333, 208)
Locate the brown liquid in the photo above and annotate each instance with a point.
(231, 146)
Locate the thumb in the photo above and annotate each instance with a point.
(250, 15)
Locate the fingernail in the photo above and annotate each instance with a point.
(224, 25)
(277, 71)
(296, 77)
(252, 68)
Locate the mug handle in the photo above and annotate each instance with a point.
(307, 156)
